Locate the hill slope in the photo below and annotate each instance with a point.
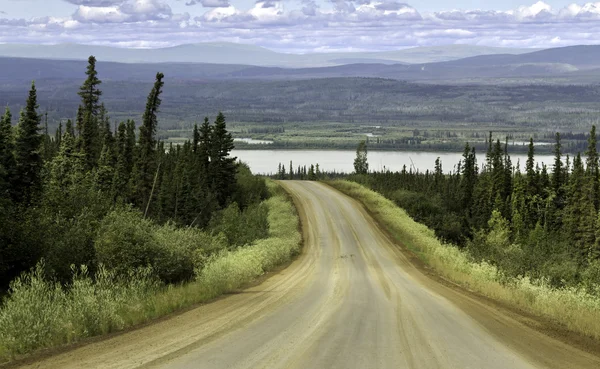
(230, 53)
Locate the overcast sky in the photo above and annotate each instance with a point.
(301, 25)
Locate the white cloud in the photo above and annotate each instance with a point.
(267, 11)
(96, 3)
(126, 11)
(307, 26)
(111, 14)
(210, 3)
(218, 14)
(538, 9)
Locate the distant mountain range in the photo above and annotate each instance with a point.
(231, 53)
(578, 62)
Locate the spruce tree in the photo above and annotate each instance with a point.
(195, 138)
(129, 148)
(592, 171)
(69, 128)
(90, 140)
(438, 175)
(106, 134)
(530, 171)
(312, 175)
(558, 170)
(104, 173)
(7, 157)
(47, 151)
(204, 147)
(222, 167)
(89, 91)
(580, 214)
(79, 123)
(146, 164)
(58, 136)
(66, 170)
(28, 143)
(124, 157)
(518, 207)
(88, 117)
(468, 178)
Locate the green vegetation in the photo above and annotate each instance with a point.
(102, 230)
(361, 164)
(41, 313)
(540, 222)
(56, 192)
(577, 308)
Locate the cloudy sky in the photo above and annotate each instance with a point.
(301, 25)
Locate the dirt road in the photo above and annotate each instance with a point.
(351, 300)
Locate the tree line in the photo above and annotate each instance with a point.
(56, 190)
(537, 221)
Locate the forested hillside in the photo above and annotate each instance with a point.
(315, 114)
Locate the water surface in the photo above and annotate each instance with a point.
(267, 161)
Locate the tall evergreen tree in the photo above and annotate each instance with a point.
(79, 122)
(124, 147)
(580, 215)
(438, 175)
(104, 173)
(468, 178)
(222, 167)
(592, 171)
(90, 140)
(58, 136)
(146, 165)
(7, 157)
(530, 172)
(69, 128)
(204, 149)
(47, 151)
(28, 143)
(89, 91)
(106, 133)
(195, 138)
(88, 119)
(558, 170)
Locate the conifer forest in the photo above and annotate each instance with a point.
(528, 220)
(97, 192)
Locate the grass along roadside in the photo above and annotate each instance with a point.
(40, 314)
(573, 308)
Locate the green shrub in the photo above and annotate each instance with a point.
(242, 227)
(72, 244)
(591, 277)
(182, 250)
(126, 241)
(250, 189)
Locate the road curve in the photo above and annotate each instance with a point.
(351, 300)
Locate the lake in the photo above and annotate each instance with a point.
(267, 161)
